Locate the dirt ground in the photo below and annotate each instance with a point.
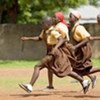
(60, 93)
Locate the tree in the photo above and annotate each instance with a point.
(32, 11)
(94, 2)
(8, 11)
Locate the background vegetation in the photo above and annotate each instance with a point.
(31, 11)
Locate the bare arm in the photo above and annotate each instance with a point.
(60, 42)
(95, 38)
(82, 43)
(36, 38)
(91, 38)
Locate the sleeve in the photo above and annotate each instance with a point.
(55, 34)
(63, 30)
(80, 33)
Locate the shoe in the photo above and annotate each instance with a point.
(50, 87)
(93, 80)
(26, 87)
(86, 85)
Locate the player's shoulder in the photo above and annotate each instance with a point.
(61, 24)
(80, 26)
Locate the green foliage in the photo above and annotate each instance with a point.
(94, 2)
(75, 3)
(6, 4)
(32, 11)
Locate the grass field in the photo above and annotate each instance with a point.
(17, 63)
(9, 65)
(29, 63)
(22, 64)
(14, 72)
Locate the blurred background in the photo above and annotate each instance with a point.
(23, 17)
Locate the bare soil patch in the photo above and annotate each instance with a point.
(60, 93)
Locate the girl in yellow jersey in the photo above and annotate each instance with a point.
(83, 53)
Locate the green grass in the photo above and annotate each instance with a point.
(17, 63)
(10, 83)
(29, 63)
(96, 62)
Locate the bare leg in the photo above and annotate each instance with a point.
(93, 80)
(90, 76)
(35, 75)
(76, 76)
(85, 84)
(37, 68)
(94, 70)
(50, 80)
(28, 87)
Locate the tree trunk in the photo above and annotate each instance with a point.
(1, 11)
(13, 12)
(0, 16)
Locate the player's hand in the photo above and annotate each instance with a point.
(73, 50)
(54, 50)
(24, 38)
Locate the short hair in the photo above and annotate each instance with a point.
(47, 21)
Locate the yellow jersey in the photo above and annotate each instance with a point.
(80, 33)
(54, 32)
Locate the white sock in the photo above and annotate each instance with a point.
(29, 86)
(85, 83)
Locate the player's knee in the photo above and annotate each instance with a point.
(38, 66)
